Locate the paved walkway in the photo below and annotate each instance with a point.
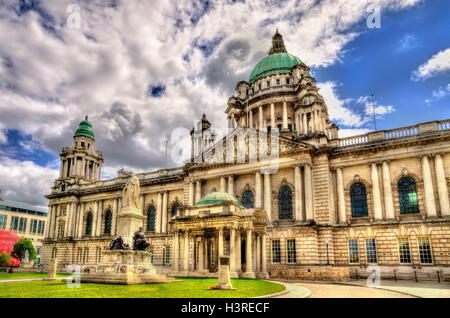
(331, 290)
(420, 289)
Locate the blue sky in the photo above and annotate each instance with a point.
(141, 70)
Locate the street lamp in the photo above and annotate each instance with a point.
(328, 260)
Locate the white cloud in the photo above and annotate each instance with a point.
(439, 93)
(439, 63)
(352, 132)
(51, 76)
(24, 181)
(337, 109)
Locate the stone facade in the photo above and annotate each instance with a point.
(321, 236)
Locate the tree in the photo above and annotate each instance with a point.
(5, 259)
(20, 248)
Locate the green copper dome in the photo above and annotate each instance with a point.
(274, 63)
(217, 198)
(85, 129)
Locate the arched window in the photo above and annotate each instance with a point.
(89, 224)
(285, 203)
(175, 207)
(407, 195)
(151, 218)
(248, 199)
(108, 221)
(358, 199)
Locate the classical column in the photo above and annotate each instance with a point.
(428, 187)
(232, 250)
(297, 124)
(305, 124)
(258, 189)
(231, 185)
(251, 118)
(340, 196)
(441, 184)
(198, 191)
(68, 230)
(285, 119)
(248, 252)
(49, 221)
(238, 243)
(308, 193)
(191, 193)
(99, 173)
(141, 202)
(375, 192)
(176, 251)
(298, 194)
(260, 120)
(205, 254)
(268, 196)
(232, 120)
(258, 253)
(99, 205)
(81, 219)
(114, 217)
(164, 211)
(158, 213)
(222, 184)
(220, 241)
(272, 115)
(263, 252)
(186, 251)
(387, 188)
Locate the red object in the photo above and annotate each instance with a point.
(7, 241)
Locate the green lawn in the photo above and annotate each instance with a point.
(4, 276)
(189, 288)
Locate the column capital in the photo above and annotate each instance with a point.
(425, 155)
(336, 168)
(437, 154)
(376, 163)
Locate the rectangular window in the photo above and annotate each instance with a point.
(287, 81)
(99, 254)
(41, 227)
(371, 251)
(167, 255)
(425, 250)
(38, 251)
(3, 219)
(291, 253)
(268, 83)
(404, 250)
(22, 225)
(276, 251)
(33, 226)
(278, 82)
(353, 252)
(259, 87)
(14, 223)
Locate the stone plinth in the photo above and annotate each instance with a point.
(128, 222)
(224, 274)
(125, 267)
(52, 269)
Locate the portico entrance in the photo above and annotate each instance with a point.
(199, 241)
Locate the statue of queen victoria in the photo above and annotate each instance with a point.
(130, 197)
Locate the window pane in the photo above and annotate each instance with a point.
(175, 209)
(404, 251)
(292, 255)
(248, 199)
(89, 224)
(285, 203)
(425, 250)
(151, 218)
(358, 200)
(407, 196)
(108, 222)
(371, 251)
(353, 251)
(276, 254)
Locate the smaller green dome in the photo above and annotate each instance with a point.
(217, 198)
(85, 129)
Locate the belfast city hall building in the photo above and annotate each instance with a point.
(281, 194)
